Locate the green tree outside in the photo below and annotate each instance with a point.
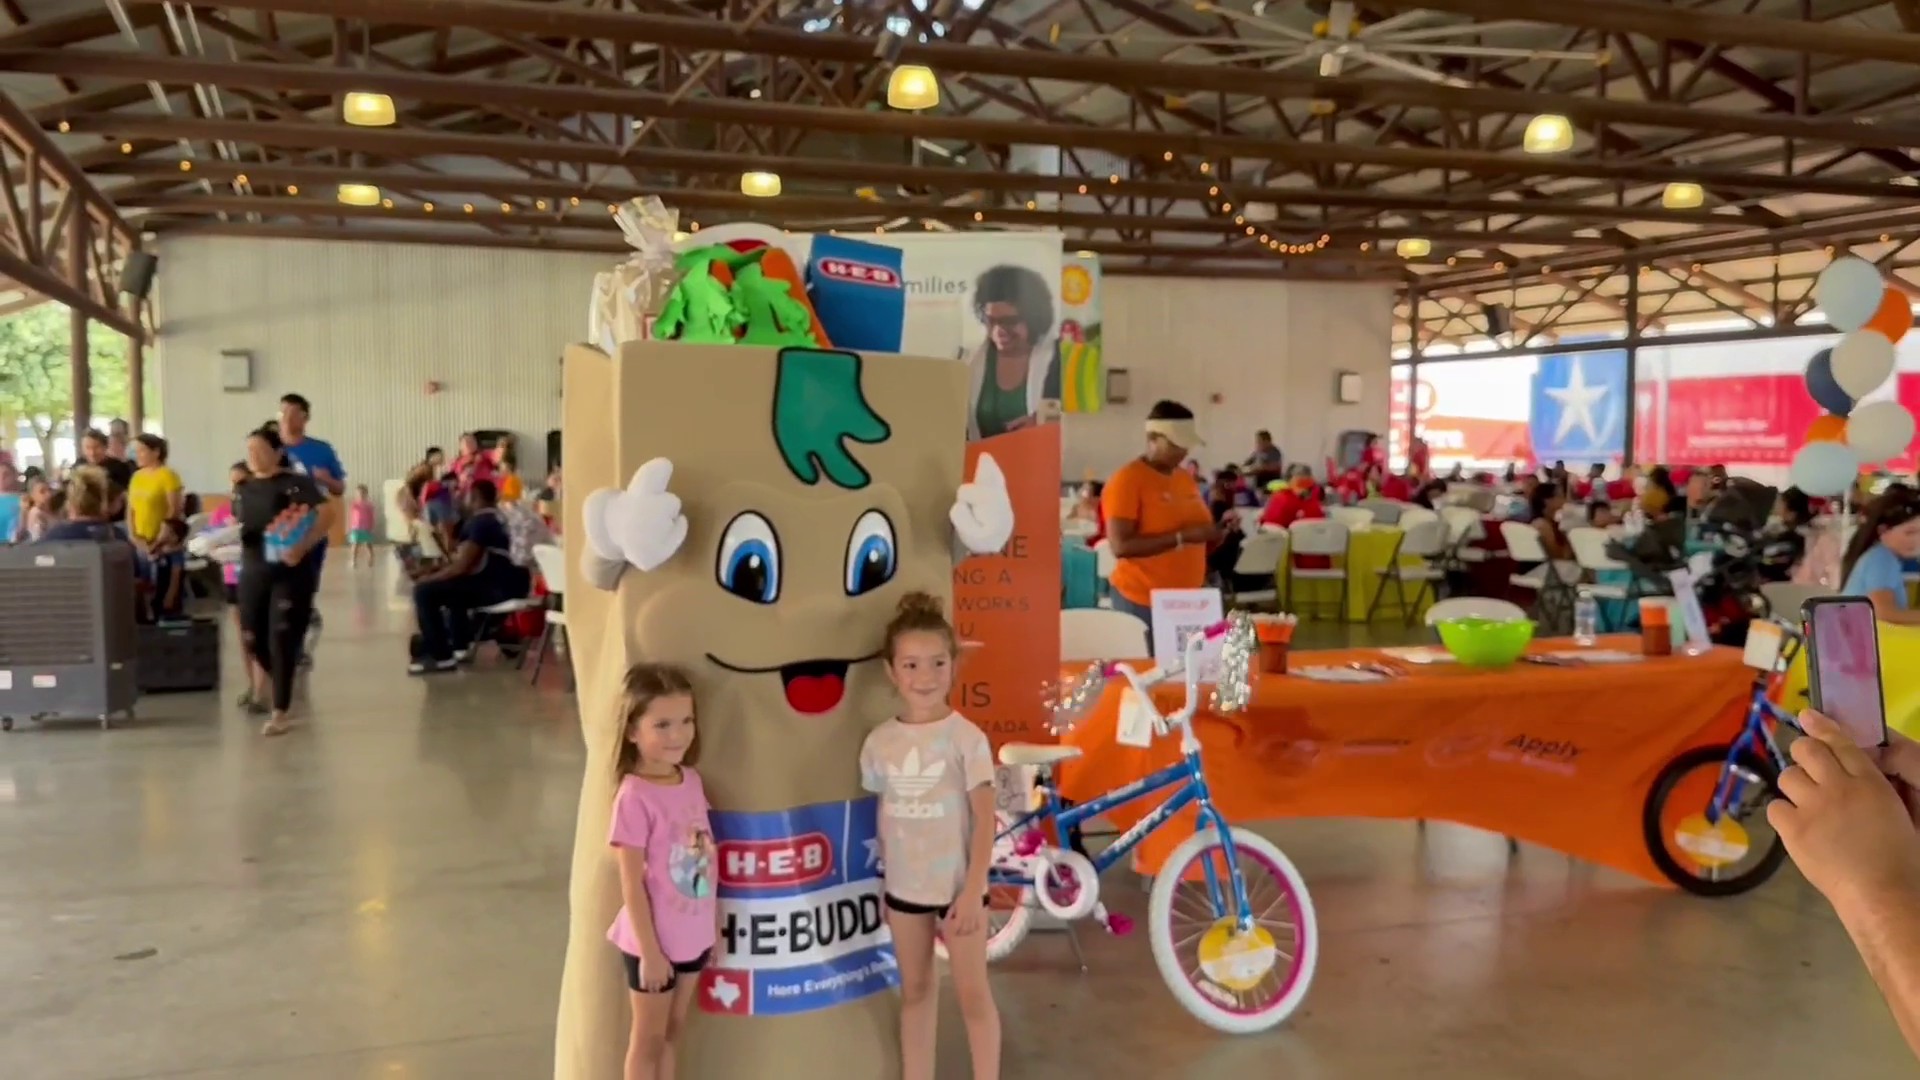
(36, 382)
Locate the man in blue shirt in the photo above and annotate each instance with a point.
(313, 458)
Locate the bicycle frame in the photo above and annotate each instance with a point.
(1756, 735)
(1187, 777)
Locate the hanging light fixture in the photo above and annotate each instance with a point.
(1682, 195)
(359, 195)
(1548, 133)
(912, 87)
(362, 108)
(1413, 247)
(760, 185)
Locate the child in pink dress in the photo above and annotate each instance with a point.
(663, 840)
(359, 527)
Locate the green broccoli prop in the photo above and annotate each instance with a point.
(699, 310)
(773, 316)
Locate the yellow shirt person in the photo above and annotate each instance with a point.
(155, 492)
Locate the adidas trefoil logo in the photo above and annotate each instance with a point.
(912, 780)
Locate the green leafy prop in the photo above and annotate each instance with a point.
(756, 310)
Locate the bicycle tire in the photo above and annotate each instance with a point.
(1653, 827)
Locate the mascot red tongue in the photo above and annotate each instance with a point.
(755, 515)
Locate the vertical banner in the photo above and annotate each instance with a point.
(1010, 602)
(1083, 379)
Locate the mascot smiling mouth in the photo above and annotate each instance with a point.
(813, 686)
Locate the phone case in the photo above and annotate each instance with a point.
(1815, 698)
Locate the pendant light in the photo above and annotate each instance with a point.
(760, 185)
(912, 87)
(1413, 247)
(1682, 195)
(363, 108)
(359, 195)
(1548, 133)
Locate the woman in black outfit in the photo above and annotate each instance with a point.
(276, 598)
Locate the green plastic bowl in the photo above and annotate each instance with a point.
(1486, 642)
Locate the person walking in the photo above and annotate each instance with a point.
(284, 518)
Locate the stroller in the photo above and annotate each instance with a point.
(1727, 578)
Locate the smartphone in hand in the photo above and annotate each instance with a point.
(1843, 666)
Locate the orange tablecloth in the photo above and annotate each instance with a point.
(1560, 757)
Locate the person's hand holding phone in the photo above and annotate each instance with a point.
(1849, 825)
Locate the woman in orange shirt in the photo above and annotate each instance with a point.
(1158, 525)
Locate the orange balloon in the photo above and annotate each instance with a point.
(1895, 316)
(1828, 429)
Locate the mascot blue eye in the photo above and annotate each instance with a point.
(749, 562)
(872, 555)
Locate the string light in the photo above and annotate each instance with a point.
(386, 204)
(1031, 205)
(466, 207)
(293, 189)
(241, 179)
(65, 127)
(126, 148)
(186, 166)
(541, 205)
(1083, 189)
(1168, 156)
(1251, 230)
(1206, 167)
(978, 216)
(1114, 179)
(575, 201)
(1212, 191)
(1226, 207)
(506, 208)
(427, 206)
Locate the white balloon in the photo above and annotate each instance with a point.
(1848, 292)
(1861, 362)
(1880, 430)
(1824, 468)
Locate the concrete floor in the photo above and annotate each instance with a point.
(383, 895)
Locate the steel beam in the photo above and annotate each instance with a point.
(552, 20)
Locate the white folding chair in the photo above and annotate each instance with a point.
(1414, 515)
(1590, 551)
(1104, 563)
(1101, 634)
(1425, 539)
(1384, 511)
(1475, 607)
(1248, 518)
(1260, 555)
(551, 560)
(1463, 528)
(1353, 517)
(1551, 582)
(1317, 537)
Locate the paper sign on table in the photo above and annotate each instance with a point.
(1177, 615)
(1136, 721)
(1694, 619)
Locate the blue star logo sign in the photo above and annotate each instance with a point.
(1579, 406)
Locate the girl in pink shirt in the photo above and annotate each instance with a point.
(663, 841)
(359, 527)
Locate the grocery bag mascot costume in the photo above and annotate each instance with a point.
(755, 515)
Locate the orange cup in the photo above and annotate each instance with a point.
(1656, 627)
(1273, 657)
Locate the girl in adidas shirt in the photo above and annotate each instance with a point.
(663, 841)
(934, 775)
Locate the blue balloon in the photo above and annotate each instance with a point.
(1826, 393)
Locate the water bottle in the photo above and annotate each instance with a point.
(1586, 618)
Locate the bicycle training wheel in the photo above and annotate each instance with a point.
(1232, 981)
(1724, 858)
(1009, 907)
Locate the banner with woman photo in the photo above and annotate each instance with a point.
(996, 302)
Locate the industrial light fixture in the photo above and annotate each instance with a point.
(1548, 133)
(362, 108)
(1682, 195)
(359, 195)
(1413, 247)
(760, 185)
(913, 87)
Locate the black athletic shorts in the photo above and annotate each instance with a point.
(938, 911)
(691, 967)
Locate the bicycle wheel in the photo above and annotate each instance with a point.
(1724, 858)
(1234, 982)
(1009, 907)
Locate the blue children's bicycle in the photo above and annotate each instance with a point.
(1230, 921)
(1706, 815)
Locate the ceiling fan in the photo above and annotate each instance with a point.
(1341, 41)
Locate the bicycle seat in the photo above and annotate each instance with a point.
(1036, 754)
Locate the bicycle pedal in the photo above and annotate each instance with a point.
(1119, 925)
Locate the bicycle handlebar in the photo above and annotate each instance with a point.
(1189, 666)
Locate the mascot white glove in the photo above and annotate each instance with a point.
(982, 513)
(642, 526)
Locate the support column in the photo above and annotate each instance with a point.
(1633, 360)
(1413, 366)
(137, 385)
(78, 359)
